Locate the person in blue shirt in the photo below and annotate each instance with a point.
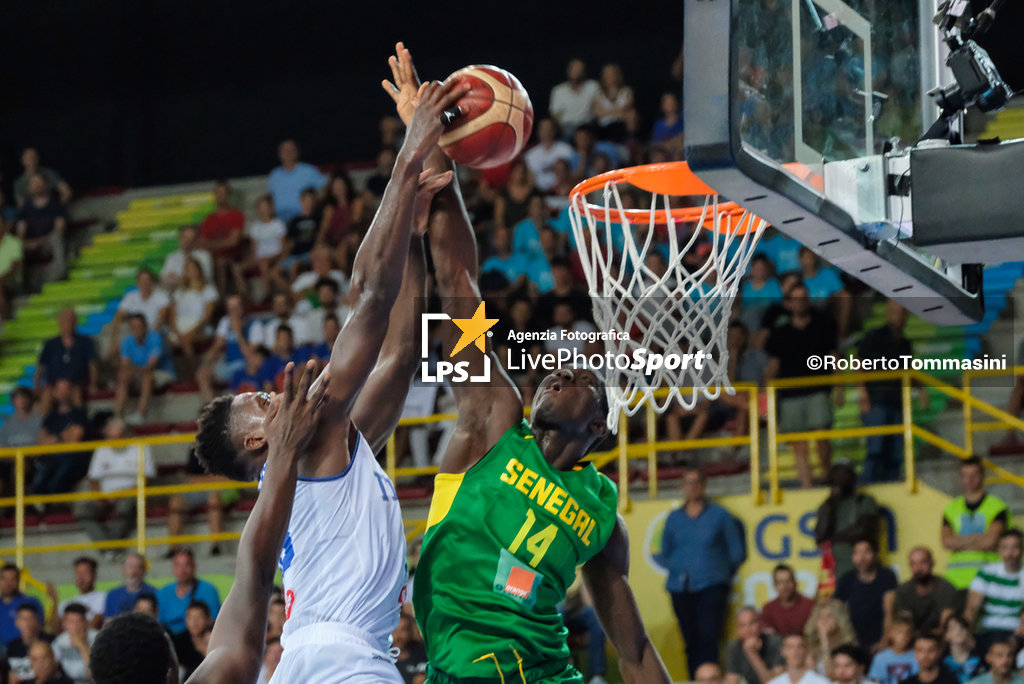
(505, 261)
(668, 130)
(783, 250)
(173, 599)
(759, 292)
(273, 367)
(702, 547)
(291, 178)
(248, 379)
(321, 351)
(526, 234)
(237, 335)
(144, 359)
(11, 599)
(822, 281)
(122, 599)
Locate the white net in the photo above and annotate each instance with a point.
(671, 286)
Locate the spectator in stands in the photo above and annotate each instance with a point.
(89, 597)
(64, 424)
(290, 178)
(190, 644)
(709, 673)
(505, 261)
(511, 204)
(825, 288)
(266, 250)
(377, 182)
(995, 596)
(112, 469)
(760, 290)
(580, 619)
(845, 517)
(572, 101)
(702, 548)
(147, 605)
(789, 611)
(865, 590)
(284, 353)
(303, 230)
(563, 184)
(925, 600)
(70, 356)
(281, 308)
(191, 314)
(216, 503)
(272, 658)
(754, 656)
(221, 234)
(148, 300)
(930, 668)
(41, 224)
(828, 627)
(45, 668)
(11, 599)
(235, 336)
(568, 331)
(31, 630)
(881, 403)
(276, 616)
(11, 255)
(804, 334)
(321, 351)
(71, 647)
(1000, 660)
(783, 250)
(54, 181)
(564, 290)
(795, 655)
(586, 150)
(328, 302)
(122, 599)
(897, 662)
(848, 664)
(668, 130)
(173, 269)
(146, 363)
(971, 525)
(526, 233)
(776, 313)
(614, 105)
(540, 159)
(412, 656)
(20, 428)
(175, 598)
(322, 266)
(963, 660)
(340, 209)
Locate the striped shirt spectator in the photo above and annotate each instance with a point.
(995, 596)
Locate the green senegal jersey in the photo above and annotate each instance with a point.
(502, 545)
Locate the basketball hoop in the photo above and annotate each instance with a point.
(707, 246)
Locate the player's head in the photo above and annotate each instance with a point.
(572, 401)
(231, 439)
(133, 649)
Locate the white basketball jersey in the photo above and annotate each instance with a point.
(344, 556)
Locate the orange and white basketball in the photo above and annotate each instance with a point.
(496, 119)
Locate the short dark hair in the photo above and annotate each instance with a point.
(10, 567)
(131, 649)
(1008, 642)
(214, 446)
(328, 282)
(972, 461)
(277, 600)
(783, 567)
(928, 636)
(310, 190)
(29, 607)
(147, 270)
(24, 392)
(870, 542)
(91, 562)
(1012, 532)
(76, 608)
(147, 596)
(332, 317)
(196, 604)
(285, 328)
(138, 316)
(184, 551)
(853, 652)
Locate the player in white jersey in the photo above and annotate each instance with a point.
(344, 555)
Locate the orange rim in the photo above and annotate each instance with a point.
(670, 178)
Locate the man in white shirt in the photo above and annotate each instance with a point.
(111, 469)
(794, 652)
(281, 305)
(541, 158)
(71, 648)
(188, 246)
(89, 598)
(322, 267)
(572, 102)
(147, 299)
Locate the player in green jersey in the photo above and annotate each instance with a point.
(514, 512)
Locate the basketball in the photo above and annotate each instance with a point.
(496, 119)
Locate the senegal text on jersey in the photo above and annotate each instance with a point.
(550, 497)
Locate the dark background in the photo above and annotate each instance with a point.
(139, 92)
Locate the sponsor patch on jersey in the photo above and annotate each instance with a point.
(516, 580)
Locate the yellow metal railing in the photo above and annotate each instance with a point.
(624, 453)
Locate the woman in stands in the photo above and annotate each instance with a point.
(192, 306)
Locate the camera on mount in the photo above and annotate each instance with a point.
(978, 83)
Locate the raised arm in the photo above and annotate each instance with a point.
(236, 646)
(380, 261)
(485, 411)
(607, 578)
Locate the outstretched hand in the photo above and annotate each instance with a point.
(404, 90)
(292, 423)
(430, 184)
(425, 128)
